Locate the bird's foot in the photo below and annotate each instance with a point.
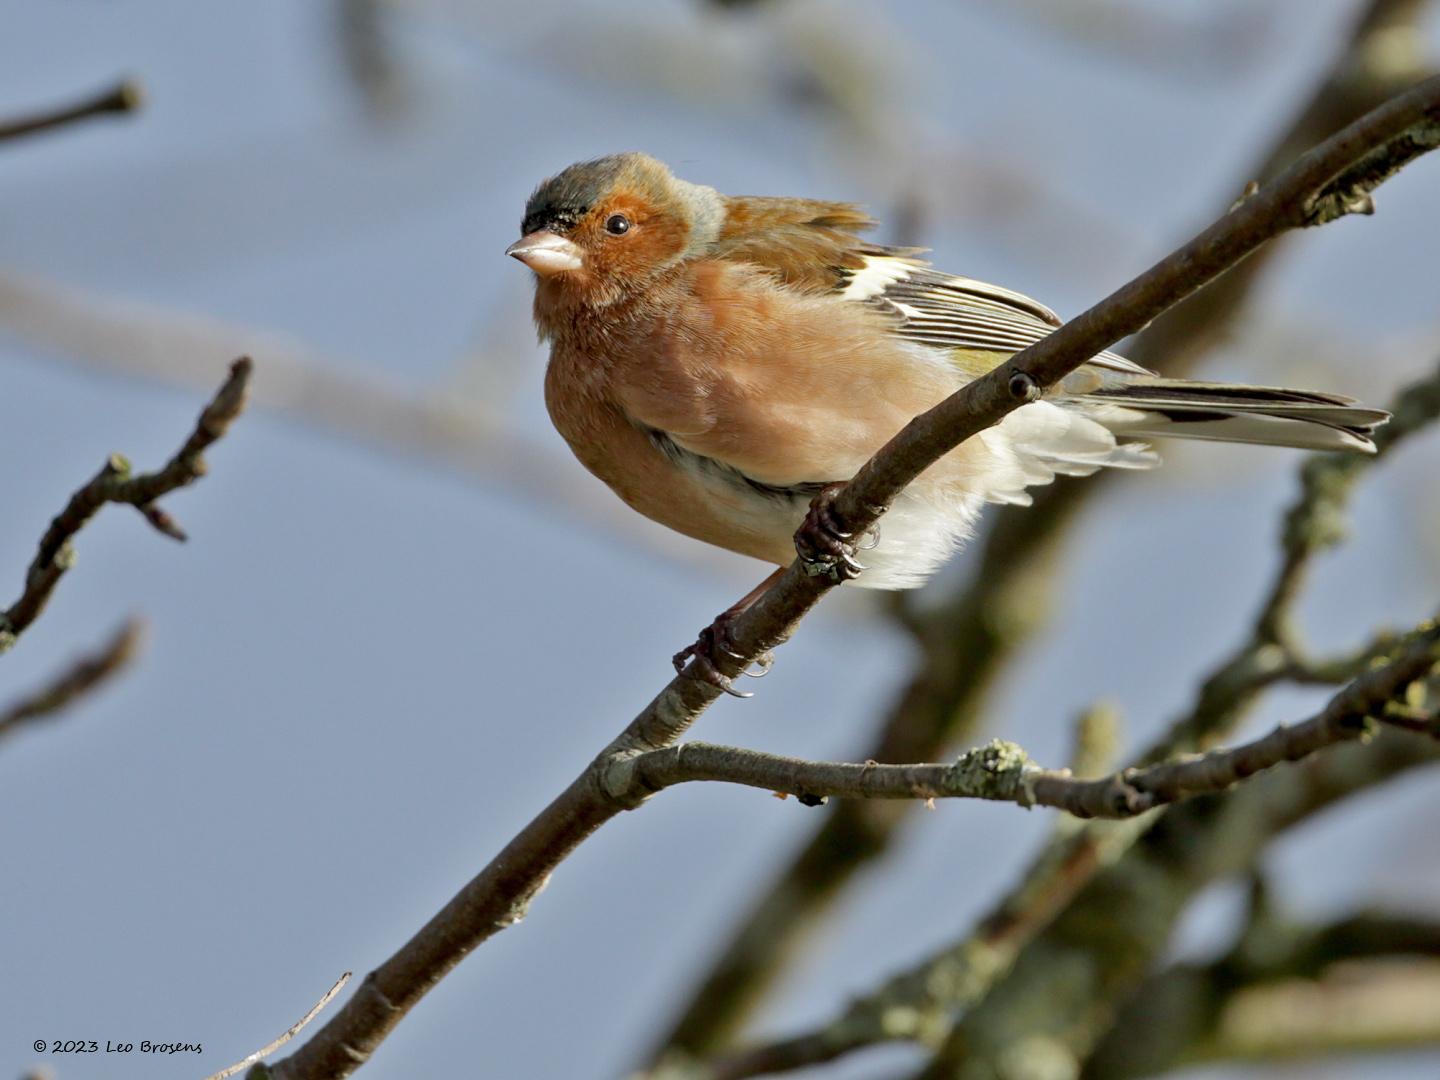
(714, 640)
(825, 545)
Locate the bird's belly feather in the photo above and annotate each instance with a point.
(702, 504)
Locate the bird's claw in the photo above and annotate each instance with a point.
(825, 546)
(715, 639)
(761, 667)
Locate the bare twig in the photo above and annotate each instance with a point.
(1002, 772)
(114, 483)
(1352, 161)
(81, 677)
(123, 97)
(294, 1029)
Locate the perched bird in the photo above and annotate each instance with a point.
(722, 361)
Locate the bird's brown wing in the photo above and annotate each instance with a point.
(816, 247)
(784, 386)
(806, 244)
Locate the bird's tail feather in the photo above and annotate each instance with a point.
(1230, 412)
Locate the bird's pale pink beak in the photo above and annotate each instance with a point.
(546, 253)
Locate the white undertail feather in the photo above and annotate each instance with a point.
(1030, 447)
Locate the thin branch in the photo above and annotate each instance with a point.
(114, 483)
(501, 893)
(1366, 1008)
(1003, 772)
(81, 677)
(294, 1029)
(123, 97)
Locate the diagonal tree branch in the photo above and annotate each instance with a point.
(501, 893)
(114, 483)
(966, 642)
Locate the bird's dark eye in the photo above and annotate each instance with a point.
(617, 224)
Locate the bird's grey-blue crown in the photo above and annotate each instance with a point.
(559, 203)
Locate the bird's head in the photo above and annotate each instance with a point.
(605, 227)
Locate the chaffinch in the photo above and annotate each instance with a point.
(722, 361)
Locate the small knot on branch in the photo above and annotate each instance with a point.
(1023, 387)
(1251, 190)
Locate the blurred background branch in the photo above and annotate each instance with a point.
(466, 432)
(1218, 41)
(1285, 989)
(81, 677)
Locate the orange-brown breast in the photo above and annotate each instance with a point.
(786, 387)
(631, 464)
